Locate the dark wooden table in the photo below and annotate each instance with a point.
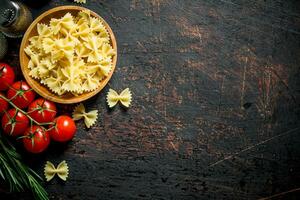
(216, 104)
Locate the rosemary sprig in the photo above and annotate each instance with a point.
(18, 175)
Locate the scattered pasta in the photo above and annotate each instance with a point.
(80, 1)
(113, 98)
(62, 170)
(71, 54)
(89, 117)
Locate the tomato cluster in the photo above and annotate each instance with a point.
(36, 126)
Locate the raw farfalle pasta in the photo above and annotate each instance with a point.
(62, 170)
(89, 117)
(71, 54)
(80, 1)
(113, 98)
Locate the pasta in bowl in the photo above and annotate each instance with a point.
(68, 54)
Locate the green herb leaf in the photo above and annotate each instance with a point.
(16, 174)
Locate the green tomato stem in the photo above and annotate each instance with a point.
(25, 113)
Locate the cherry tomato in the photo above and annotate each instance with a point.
(14, 122)
(36, 139)
(7, 76)
(21, 94)
(3, 104)
(42, 111)
(63, 130)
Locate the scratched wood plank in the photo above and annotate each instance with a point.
(216, 104)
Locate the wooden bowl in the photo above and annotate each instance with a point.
(24, 59)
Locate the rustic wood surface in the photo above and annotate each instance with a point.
(216, 104)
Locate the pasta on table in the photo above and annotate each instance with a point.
(72, 54)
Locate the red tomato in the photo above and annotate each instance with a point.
(14, 123)
(63, 130)
(7, 76)
(21, 94)
(42, 111)
(37, 139)
(3, 104)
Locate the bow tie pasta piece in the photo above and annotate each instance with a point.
(80, 1)
(34, 73)
(34, 57)
(62, 170)
(70, 35)
(55, 82)
(30, 51)
(113, 98)
(83, 30)
(71, 54)
(73, 81)
(94, 43)
(43, 32)
(48, 45)
(107, 51)
(82, 51)
(90, 118)
(55, 25)
(91, 83)
(96, 25)
(66, 21)
(65, 48)
(104, 34)
(45, 68)
(105, 67)
(36, 42)
(102, 69)
(84, 14)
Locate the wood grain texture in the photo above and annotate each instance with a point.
(216, 107)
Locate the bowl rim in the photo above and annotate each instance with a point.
(54, 97)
